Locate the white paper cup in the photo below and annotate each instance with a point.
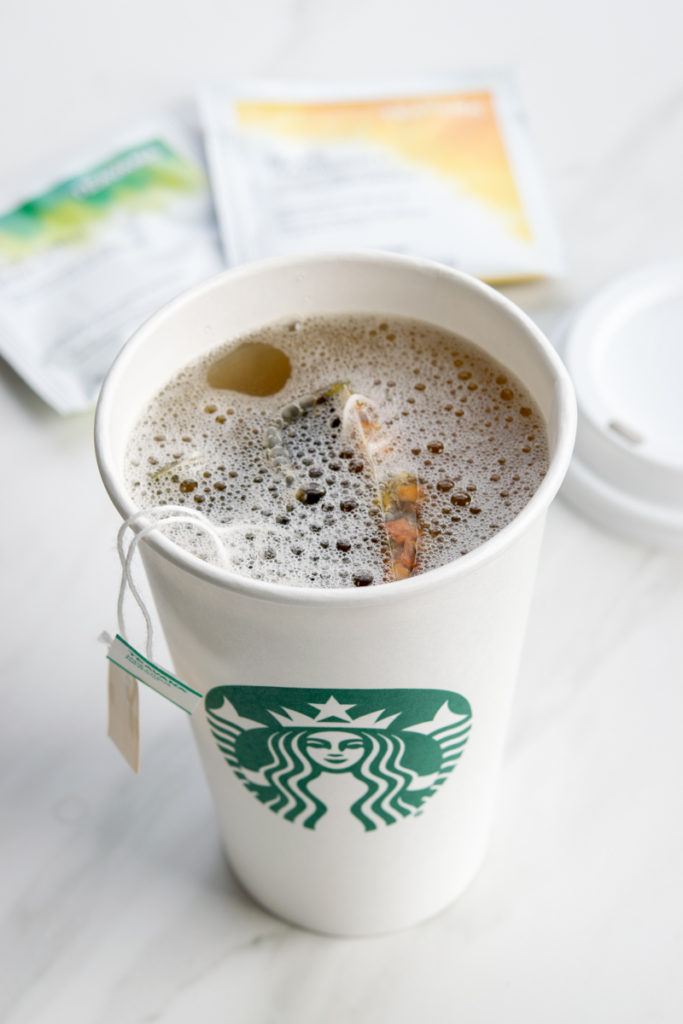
(351, 738)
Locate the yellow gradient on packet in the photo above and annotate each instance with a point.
(455, 135)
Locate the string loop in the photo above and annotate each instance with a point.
(160, 516)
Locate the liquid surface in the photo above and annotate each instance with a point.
(252, 368)
(341, 451)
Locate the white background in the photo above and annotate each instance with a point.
(117, 905)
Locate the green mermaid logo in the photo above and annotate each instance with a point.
(290, 747)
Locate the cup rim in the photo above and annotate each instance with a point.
(340, 596)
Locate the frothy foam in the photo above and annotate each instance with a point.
(301, 483)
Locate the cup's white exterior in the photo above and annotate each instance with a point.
(458, 628)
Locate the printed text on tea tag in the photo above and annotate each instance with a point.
(125, 657)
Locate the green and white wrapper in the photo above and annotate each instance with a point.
(89, 254)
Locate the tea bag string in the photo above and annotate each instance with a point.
(162, 516)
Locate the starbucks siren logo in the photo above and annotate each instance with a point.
(288, 745)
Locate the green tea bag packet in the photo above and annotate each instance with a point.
(95, 251)
(443, 168)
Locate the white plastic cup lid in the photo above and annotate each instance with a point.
(624, 352)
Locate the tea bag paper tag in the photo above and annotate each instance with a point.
(122, 655)
(124, 722)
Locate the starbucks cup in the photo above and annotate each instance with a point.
(351, 738)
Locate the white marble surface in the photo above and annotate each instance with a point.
(117, 904)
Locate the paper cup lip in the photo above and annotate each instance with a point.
(342, 596)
